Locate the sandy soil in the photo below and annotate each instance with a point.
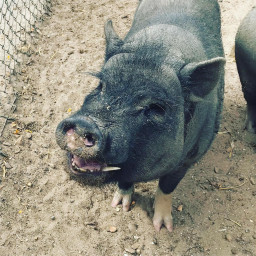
(45, 212)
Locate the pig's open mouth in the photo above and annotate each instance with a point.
(80, 166)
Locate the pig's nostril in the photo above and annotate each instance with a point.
(68, 128)
(89, 140)
(70, 131)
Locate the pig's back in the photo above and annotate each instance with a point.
(245, 40)
(200, 17)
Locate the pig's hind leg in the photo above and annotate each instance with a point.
(249, 90)
(251, 117)
(123, 195)
(163, 199)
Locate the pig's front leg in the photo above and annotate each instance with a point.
(123, 195)
(163, 199)
(163, 210)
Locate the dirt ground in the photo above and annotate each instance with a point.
(43, 211)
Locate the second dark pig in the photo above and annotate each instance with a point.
(157, 107)
(245, 51)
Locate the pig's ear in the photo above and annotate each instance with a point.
(199, 79)
(113, 42)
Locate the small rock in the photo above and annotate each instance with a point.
(254, 236)
(19, 141)
(7, 165)
(17, 150)
(228, 237)
(180, 208)
(3, 154)
(234, 251)
(138, 251)
(130, 250)
(135, 246)
(5, 143)
(112, 229)
(216, 169)
(136, 237)
(36, 238)
(29, 184)
(53, 218)
(252, 180)
(28, 135)
(154, 241)
(71, 52)
(132, 227)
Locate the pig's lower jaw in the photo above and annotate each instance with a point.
(79, 166)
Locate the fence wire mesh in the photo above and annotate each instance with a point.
(18, 26)
(18, 23)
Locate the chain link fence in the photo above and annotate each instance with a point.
(18, 26)
(18, 23)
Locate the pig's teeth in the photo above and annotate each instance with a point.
(110, 168)
(82, 170)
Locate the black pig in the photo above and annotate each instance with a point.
(245, 51)
(157, 107)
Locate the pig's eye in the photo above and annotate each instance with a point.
(155, 110)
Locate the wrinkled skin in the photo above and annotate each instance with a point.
(157, 107)
(245, 50)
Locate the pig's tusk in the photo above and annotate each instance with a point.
(110, 168)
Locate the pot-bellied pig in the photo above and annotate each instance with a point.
(245, 51)
(157, 107)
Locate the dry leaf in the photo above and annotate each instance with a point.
(17, 131)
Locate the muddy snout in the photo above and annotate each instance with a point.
(80, 136)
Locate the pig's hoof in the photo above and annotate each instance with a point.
(124, 197)
(160, 220)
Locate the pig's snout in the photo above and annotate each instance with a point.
(89, 139)
(79, 135)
